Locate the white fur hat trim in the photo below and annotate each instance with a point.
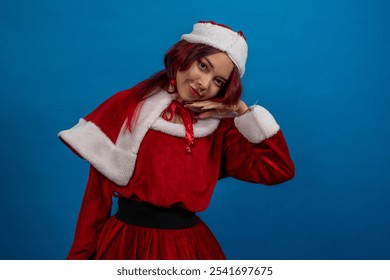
(222, 38)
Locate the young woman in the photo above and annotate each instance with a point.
(162, 145)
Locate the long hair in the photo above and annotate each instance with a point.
(179, 58)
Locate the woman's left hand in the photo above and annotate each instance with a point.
(209, 108)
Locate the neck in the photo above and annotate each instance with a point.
(176, 96)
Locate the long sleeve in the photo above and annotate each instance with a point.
(255, 150)
(94, 212)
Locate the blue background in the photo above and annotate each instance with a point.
(321, 68)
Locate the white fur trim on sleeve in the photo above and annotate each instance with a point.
(257, 125)
(95, 147)
(117, 160)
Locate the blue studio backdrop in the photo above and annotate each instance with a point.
(320, 67)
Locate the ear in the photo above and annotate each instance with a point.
(172, 86)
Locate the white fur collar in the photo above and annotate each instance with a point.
(202, 128)
(117, 161)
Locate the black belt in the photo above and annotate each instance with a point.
(147, 215)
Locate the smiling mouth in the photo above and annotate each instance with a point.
(194, 92)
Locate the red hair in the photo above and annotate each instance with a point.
(179, 58)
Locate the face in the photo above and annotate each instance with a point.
(205, 77)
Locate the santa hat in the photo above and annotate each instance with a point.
(223, 38)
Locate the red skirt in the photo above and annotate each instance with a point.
(121, 241)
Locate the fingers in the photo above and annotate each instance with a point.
(200, 104)
(205, 105)
(208, 114)
(208, 108)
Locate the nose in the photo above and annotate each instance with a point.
(204, 83)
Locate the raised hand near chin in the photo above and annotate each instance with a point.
(209, 108)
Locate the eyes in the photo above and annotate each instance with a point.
(204, 67)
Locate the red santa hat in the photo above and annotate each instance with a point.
(223, 38)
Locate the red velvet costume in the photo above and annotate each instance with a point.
(150, 164)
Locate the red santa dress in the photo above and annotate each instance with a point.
(150, 164)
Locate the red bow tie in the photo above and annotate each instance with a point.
(188, 118)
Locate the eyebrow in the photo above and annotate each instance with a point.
(212, 66)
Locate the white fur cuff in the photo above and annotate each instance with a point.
(257, 125)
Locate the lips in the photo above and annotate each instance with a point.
(194, 92)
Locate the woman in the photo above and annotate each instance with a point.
(161, 147)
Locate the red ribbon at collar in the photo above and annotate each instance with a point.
(188, 118)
